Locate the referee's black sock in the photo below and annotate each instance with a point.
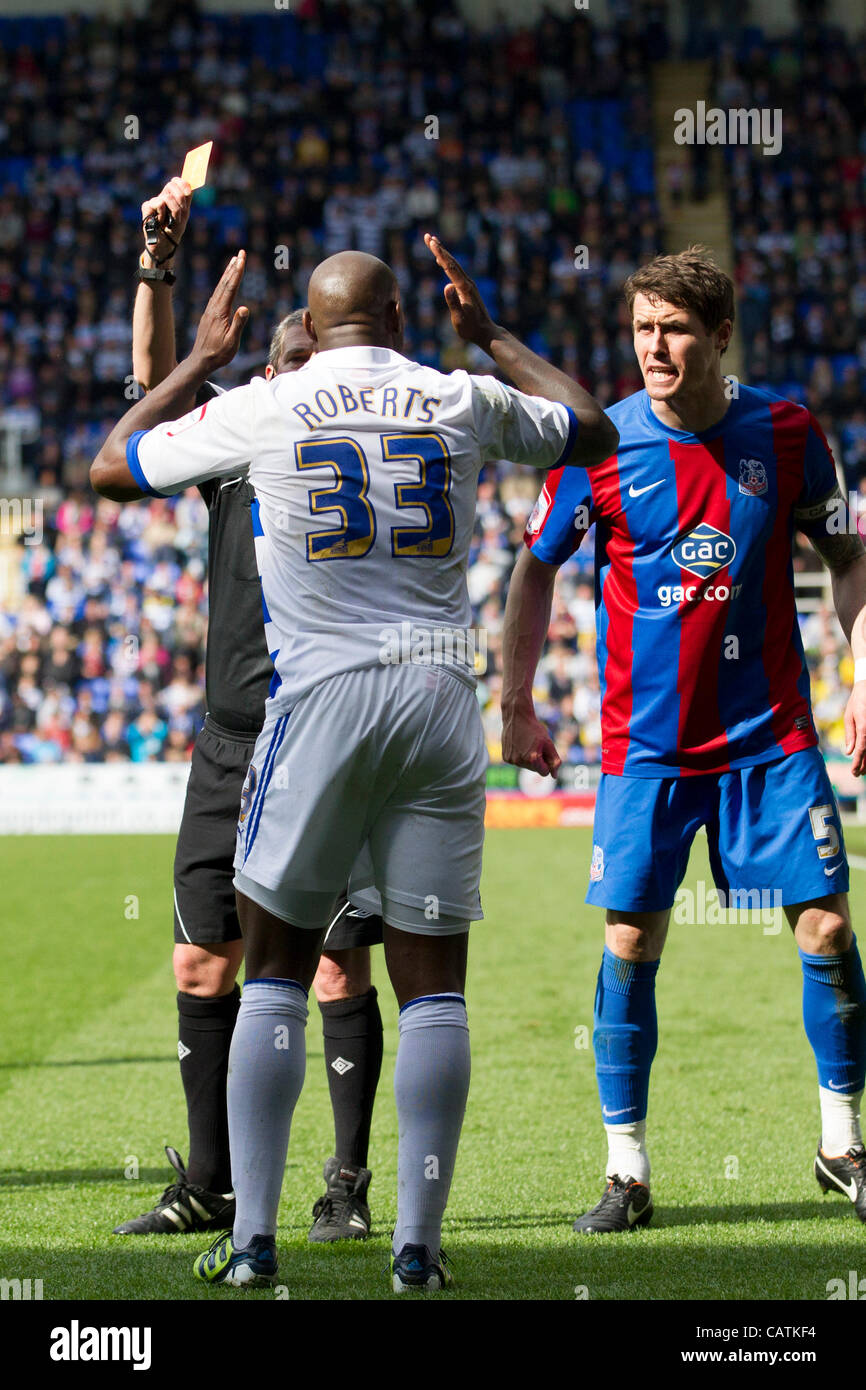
(205, 1028)
(352, 1031)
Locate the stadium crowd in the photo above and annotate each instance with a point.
(799, 226)
(367, 126)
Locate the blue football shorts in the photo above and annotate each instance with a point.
(773, 827)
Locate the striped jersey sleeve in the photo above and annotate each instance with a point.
(820, 495)
(561, 517)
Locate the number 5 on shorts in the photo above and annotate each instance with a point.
(823, 829)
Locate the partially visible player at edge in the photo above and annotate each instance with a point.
(365, 466)
(705, 707)
(208, 946)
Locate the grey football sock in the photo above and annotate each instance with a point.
(431, 1082)
(266, 1073)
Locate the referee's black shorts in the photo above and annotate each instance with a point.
(204, 897)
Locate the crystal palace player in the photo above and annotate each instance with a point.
(365, 466)
(208, 946)
(705, 707)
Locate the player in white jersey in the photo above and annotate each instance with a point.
(365, 465)
(208, 946)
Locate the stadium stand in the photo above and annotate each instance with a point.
(320, 118)
(799, 227)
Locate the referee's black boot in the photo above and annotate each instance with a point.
(342, 1214)
(182, 1207)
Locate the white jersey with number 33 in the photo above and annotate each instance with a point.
(365, 465)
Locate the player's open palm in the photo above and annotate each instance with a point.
(221, 325)
(469, 316)
(526, 743)
(855, 728)
(171, 209)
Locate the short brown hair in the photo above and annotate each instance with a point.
(691, 280)
(293, 320)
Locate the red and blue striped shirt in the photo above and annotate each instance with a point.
(699, 653)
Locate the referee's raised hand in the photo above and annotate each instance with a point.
(220, 327)
(171, 210)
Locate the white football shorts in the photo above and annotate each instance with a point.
(381, 770)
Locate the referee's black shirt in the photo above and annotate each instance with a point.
(238, 669)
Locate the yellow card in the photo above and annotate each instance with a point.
(195, 165)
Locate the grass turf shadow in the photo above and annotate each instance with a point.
(84, 1062)
(60, 1177)
(634, 1268)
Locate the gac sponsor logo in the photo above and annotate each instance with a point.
(704, 550)
(688, 593)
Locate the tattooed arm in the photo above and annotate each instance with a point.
(844, 554)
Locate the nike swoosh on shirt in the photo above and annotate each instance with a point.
(639, 491)
(830, 872)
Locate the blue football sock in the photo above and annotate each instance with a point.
(625, 1036)
(834, 1015)
(431, 1083)
(266, 1073)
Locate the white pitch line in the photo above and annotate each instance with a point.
(857, 861)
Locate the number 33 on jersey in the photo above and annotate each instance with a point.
(366, 466)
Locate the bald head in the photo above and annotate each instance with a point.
(354, 300)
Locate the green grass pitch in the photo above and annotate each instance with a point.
(89, 1091)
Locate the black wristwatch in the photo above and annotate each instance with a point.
(156, 272)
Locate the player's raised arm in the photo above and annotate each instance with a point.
(153, 340)
(596, 437)
(216, 343)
